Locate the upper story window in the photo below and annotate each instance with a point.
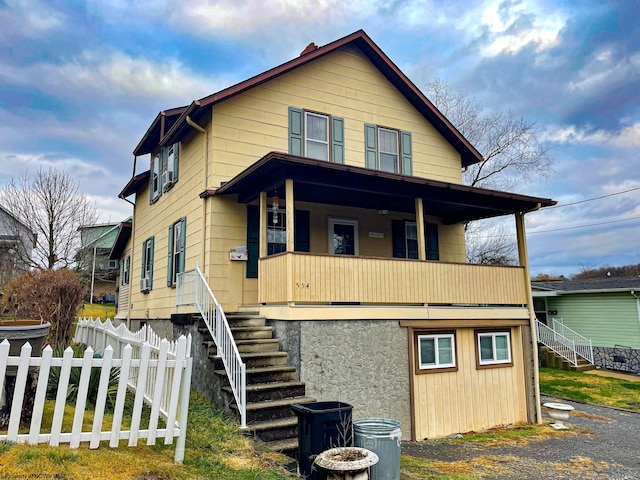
(388, 150)
(316, 135)
(176, 254)
(164, 171)
(146, 277)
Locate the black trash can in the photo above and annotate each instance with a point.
(321, 426)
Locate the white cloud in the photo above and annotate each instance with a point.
(627, 137)
(29, 19)
(116, 74)
(512, 26)
(604, 69)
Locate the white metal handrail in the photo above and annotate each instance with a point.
(192, 289)
(583, 345)
(558, 343)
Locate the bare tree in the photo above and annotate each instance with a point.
(512, 155)
(51, 205)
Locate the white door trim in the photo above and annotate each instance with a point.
(333, 221)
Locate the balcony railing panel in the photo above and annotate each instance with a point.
(321, 278)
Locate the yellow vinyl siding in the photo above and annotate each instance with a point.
(470, 399)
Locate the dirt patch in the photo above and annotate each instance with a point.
(578, 413)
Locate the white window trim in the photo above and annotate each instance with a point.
(147, 255)
(156, 176)
(436, 338)
(493, 336)
(396, 153)
(175, 254)
(126, 270)
(313, 140)
(344, 221)
(406, 238)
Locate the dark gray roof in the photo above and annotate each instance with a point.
(609, 283)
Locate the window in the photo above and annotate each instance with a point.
(388, 150)
(146, 277)
(164, 171)
(494, 348)
(176, 249)
(436, 351)
(404, 239)
(316, 135)
(125, 273)
(276, 232)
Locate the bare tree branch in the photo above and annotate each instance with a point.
(51, 205)
(512, 156)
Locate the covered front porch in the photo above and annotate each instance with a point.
(322, 233)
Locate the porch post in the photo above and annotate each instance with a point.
(422, 250)
(524, 262)
(262, 229)
(290, 213)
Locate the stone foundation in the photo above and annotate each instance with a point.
(624, 359)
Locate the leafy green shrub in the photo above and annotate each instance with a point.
(49, 296)
(74, 380)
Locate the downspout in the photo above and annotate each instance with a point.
(205, 180)
(524, 261)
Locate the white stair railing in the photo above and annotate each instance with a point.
(192, 289)
(558, 343)
(583, 345)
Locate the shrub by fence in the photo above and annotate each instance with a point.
(157, 371)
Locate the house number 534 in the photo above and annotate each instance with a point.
(302, 285)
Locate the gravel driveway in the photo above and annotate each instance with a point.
(611, 450)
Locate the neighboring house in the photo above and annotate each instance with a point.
(344, 184)
(93, 259)
(121, 252)
(604, 310)
(17, 242)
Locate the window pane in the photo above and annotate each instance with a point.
(445, 350)
(388, 163)
(344, 239)
(412, 249)
(412, 231)
(502, 347)
(427, 351)
(317, 127)
(486, 348)
(319, 151)
(388, 141)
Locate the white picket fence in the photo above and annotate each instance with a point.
(158, 371)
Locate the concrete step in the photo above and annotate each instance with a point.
(260, 359)
(264, 374)
(272, 391)
(272, 409)
(251, 333)
(249, 346)
(278, 429)
(247, 321)
(583, 367)
(288, 447)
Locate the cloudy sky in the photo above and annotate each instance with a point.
(80, 82)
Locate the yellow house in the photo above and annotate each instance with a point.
(321, 203)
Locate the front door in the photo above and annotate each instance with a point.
(343, 236)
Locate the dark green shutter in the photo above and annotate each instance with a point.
(176, 156)
(407, 162)
(170, 257)
(151, 193)
(151, 264)
(144, 259)
(183, 242)
(337, 140)
(398, 239)
(302, 232)
(433, 246)
(370, 146)
(253, 241)
(295, 131)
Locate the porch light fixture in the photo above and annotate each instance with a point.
(383, 212)
(274, 208)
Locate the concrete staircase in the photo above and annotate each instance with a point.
(551, 359)
(271, 384)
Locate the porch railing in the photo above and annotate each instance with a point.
(192, 289)
(560, 344)
(583, 345)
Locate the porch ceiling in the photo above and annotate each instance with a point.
(317, 181)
